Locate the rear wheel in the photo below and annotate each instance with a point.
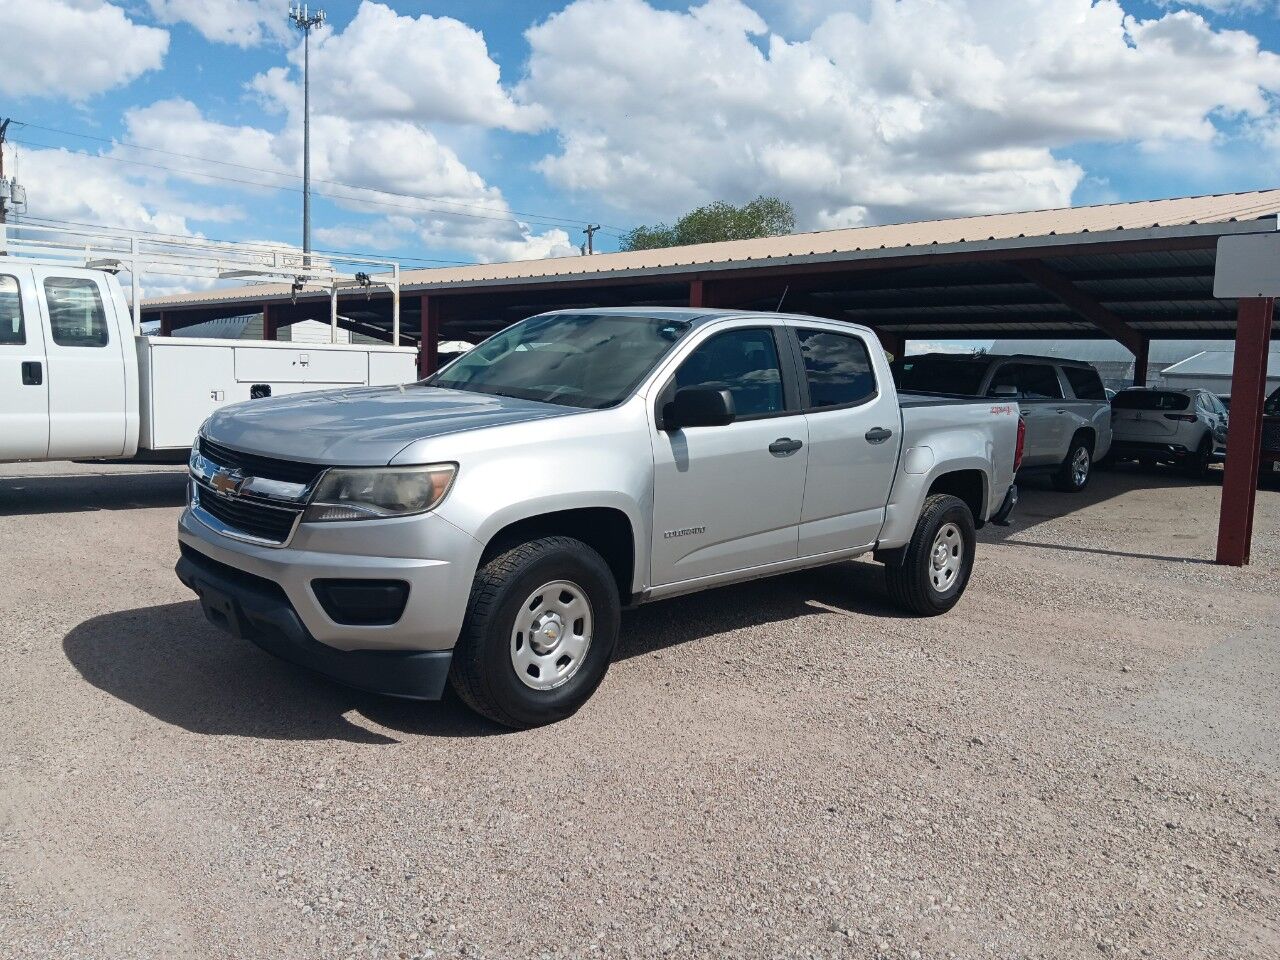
(1197, 464)
(936, 564)
(1073, 476)
(542, 622)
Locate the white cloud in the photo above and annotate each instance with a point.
(422, 69)
(887, 110)
(73, 48)
(1223, 6)
(244, 23)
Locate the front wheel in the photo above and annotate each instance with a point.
(936, 564)
(1073, 476)
(541, 625)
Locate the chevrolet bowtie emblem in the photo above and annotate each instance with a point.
(227, 482)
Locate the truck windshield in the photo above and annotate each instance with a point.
(587, 360)
(935, 373)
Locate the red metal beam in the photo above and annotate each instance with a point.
(1244, 435)
(166, 324)
(1140, 360)
(894, 343)
(269, 320)
(1081, 303)
(429, 349)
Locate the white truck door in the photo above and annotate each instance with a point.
(24, 384)
(722, 500)
(86, 375)
(854, 433)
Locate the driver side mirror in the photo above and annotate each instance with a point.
(699, 407)
(1004, 391)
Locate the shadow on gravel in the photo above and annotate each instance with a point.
(168, 662)
(75, 492)
(854, 589)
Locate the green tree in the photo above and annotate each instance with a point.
(762, 217)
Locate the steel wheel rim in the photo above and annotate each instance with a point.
(1080, 467)
(551, 635)
(946, 558)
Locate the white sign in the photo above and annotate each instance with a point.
(1248, 266)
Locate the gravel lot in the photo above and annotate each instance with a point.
(1082, 759)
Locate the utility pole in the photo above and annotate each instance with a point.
(590, 231)
(4, 193)
(306, 22)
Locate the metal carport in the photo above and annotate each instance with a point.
(1133, 271)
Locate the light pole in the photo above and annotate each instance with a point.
(305, 21)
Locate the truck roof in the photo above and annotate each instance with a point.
(990, 357)
(696, 315)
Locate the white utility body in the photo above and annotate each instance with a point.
(79, 380)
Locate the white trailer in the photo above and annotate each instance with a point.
(78, 379)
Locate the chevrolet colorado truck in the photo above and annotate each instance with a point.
(485, 527)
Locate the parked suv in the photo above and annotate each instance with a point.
(1183, 427)
(1270, 460)
(1063, 403)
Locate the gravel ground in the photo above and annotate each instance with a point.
(1082, 759)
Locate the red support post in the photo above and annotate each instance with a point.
(698, 293)
(166, 324)
(269, 323)
(1140, 358)
(1244, 435)
(429, 348)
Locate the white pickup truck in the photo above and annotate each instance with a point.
(485, 526)
(76, 382)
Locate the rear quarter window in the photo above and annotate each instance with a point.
(1085, 383)
(76, 314)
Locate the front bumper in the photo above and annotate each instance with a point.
(254, 609)
(390, 549)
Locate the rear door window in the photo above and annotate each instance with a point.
(837, 368)
(1033, 381)
(934, 373)
(744, 362)
(1085, 383)
(1150, 400)
(76, 314)
(13, 331)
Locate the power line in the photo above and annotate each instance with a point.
(547, 219)
(264, 247)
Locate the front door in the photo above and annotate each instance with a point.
(86, 367)
(723, 500)
(24, 382)
(855, 430)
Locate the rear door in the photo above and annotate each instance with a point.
(854, 428)
(722, 499)
(24, 384)
(86, 375)
(1039, 393)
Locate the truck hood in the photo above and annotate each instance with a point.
(363, 426)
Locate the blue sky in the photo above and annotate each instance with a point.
(496, 130)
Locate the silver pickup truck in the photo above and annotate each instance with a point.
(485, 527)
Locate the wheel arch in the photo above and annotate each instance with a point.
(969, 485)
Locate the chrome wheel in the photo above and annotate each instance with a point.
(1080, 467)
(551, 636)
(946, 557)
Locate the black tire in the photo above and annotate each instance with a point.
(911, 583)
(1196, 465)
(1067, 478)
(483, 673)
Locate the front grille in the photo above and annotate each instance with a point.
(254, 465)
(248, 516)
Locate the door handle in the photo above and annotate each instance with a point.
(784, 446)
(878, 435)
(32, 373)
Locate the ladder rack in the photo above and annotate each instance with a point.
(137, 254)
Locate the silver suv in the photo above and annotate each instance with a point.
(1184, 427)
(1063, 403)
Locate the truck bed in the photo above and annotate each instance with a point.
(182, 380)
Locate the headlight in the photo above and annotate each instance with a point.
(380, 492)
